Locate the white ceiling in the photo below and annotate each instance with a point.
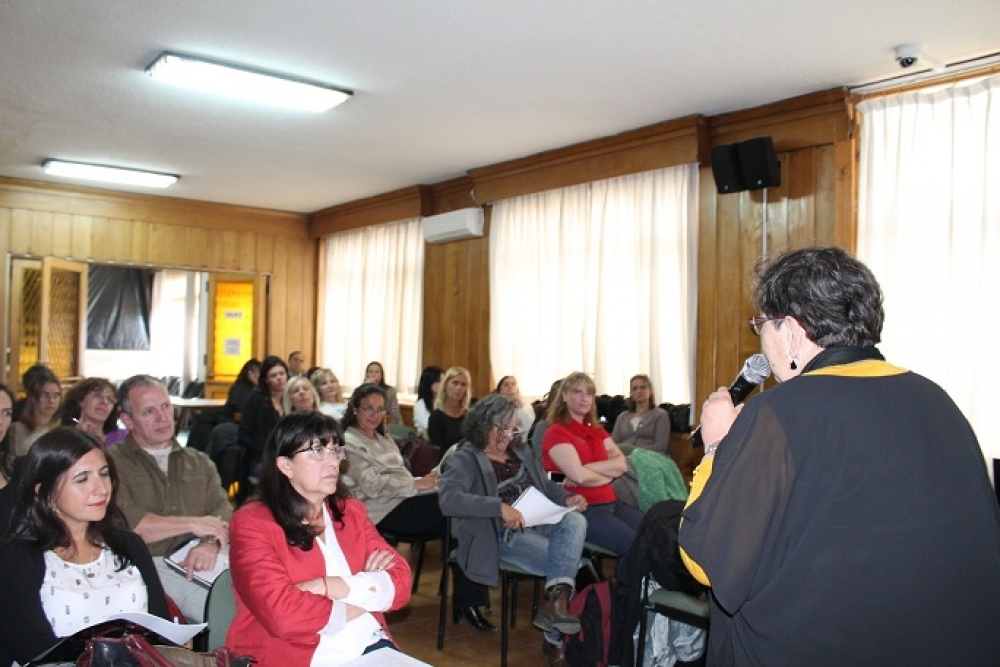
(441, 86)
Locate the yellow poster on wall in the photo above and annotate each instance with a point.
(233, 315)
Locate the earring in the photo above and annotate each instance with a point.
(794, 366)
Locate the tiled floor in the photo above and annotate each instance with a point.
(415, 627)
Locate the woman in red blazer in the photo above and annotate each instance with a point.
(310, 572)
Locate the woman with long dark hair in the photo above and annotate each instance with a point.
(427, 388)
(38, 417)
(6, 445)
(311, 573)
(243, 387)
(263, 409)
(92, 406)
(70, 561)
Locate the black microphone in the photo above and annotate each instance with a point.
(755, 370)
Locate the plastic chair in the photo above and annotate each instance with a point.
(220, 610)
(672, 604)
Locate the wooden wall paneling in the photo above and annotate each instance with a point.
(225, 250)
(309, 259)
(246, 253)
(198, 241)
(705, 343)
(62, 234)
(20, 231)
(81, 234)
(824, 199)
(100, 240)
(280, 287)
(801, 189)
(845, 195)
(41, 233)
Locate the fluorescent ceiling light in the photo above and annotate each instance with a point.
(96, 172)
(246, 84)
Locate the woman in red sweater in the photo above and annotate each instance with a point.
(591, 461)
(311, 574)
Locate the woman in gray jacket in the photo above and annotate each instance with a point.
(480, 481)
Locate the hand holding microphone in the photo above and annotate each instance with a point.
(755, 370)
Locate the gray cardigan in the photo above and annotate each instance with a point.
(462, 494)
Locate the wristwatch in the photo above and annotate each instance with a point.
(210, 539)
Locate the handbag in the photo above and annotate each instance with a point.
(134, 650)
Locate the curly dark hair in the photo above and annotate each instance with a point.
(832, 295)
(45, 467)
(350, 417)
(276, 491)
(492, 410)
(7, 442)
(72, 403)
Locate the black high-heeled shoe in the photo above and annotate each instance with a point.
(475, 619)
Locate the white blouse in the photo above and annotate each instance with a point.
(372, 591)
(75, 596)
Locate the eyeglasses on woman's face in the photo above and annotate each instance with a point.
(372, 409)
(322, 448)
(511, 433)
(757, 322)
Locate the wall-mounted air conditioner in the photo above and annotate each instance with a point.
(464, 223)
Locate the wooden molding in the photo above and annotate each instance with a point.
(400, 204)
(656, 146)
(810, 120)
(55, 198)
(452, 195)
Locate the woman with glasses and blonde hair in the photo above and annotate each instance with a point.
(92, 406)
(397, 502)
(311, 574)
(444, 427)
(575, 445)
(642, 424)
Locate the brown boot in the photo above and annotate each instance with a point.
(555, 654)
(554, 614)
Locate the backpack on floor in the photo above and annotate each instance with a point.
(592, 606)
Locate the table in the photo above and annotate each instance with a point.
(185, 409)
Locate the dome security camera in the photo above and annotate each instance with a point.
(907, 55)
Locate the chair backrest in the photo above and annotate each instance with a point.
(220, 610)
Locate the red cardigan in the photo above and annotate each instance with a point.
(276, 622)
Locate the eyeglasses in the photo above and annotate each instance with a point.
(758, 321)
(322, 448)
(509, 432)
(107, 398)
(371, 409)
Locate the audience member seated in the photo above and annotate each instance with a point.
(445, 426)
(575, 446)
(427, 389)
(375, 374)
(299, 396)
(538, 429)
(508, 388)
(332, 402)
(642, 424)
(28, 378)
(296, 364)
(38, 416)
(311, 573)
(71, 560)
(168, 493)
(263, 410)
(8, 462)
(242, 389)
(91, 406)
(480, 481)
(397, 502)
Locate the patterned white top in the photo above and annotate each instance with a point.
(75, 596)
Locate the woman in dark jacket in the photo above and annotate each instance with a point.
(71, 561)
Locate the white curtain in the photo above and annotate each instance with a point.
(174, 325)
(929, 228)
(598, 278)
(372, 296)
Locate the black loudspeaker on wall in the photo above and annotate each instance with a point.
(747, 165)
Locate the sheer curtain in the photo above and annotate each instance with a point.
(174, 325)
(599, 278)
(372, 302)
(929, 228)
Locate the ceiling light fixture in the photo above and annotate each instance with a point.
(96, 172)
(236, 81)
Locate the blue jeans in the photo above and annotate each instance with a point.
(613, 525)
(551, 551)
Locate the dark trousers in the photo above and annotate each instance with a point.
(421, 515)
